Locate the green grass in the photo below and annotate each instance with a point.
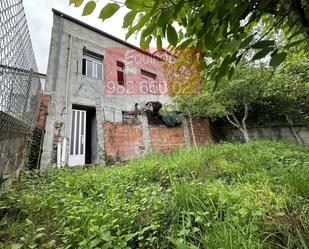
(253, 195)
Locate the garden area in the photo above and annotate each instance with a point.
(228, 195)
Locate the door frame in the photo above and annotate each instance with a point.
(77, 153)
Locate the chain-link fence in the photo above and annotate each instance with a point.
(19, 80)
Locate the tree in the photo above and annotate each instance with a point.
(281, 93)
(287, 93)
(225, 30)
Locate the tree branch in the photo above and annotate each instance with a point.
(245, 115)
(237, 126)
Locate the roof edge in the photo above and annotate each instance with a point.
(101, 32)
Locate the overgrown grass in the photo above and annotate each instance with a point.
(252, 195)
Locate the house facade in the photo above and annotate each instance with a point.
(103, 95)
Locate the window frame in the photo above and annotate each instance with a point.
(96, 62)
(120, 64)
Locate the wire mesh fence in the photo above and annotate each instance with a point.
(19, 80)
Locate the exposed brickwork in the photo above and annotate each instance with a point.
(166, 139)
(43, 111)
(202, 131)
(123, 140)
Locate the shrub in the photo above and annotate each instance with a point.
(252, 195)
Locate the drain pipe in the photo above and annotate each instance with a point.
(58, 154)
(65, 139)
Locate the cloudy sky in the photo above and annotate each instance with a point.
(39, 16)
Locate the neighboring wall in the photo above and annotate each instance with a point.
(12, 156)
(274, 133)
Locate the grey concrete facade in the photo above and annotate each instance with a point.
(273, 133)
(67, 86)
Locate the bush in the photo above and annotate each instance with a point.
(252, 195)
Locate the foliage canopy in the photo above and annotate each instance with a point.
(224, 30)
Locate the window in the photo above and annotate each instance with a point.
(120, 73)
(149, 81)
(92, 67)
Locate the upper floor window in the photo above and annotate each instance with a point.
(92, 67)
(120, 73)
(149, 81)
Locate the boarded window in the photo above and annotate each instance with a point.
(149, 81)
(130, 118)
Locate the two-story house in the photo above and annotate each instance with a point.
(100, 88)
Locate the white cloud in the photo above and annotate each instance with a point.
(40, 18)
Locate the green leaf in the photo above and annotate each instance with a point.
(159, 42)
(234, 44)
(109, 10)
(246, 42)
(134, 4)
(293, 44)
(89, 8)
(131, 31)
(144, 43)
(172, 35)
(129, 18)
(277, 59)
(16, 246)
(165, 17)
(261, 54)
(300, 31)
(263, 44)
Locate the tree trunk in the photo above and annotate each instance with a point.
(245, 134)
(291, 124)
(241, 126)
(192, 129)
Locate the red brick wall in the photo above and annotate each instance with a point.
(123, 140)
(202, 131)
(43, 111)
(165, 139)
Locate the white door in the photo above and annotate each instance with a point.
(78, 138)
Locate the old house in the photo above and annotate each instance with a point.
(100, 92)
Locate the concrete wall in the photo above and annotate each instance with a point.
(66, 86)
(12, 156)
(273, 133)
